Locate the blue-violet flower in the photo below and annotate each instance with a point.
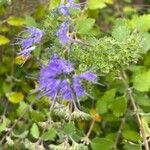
(64, 8)
(57, 79)
(27, 44)
(63, 33)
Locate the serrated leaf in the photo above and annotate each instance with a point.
(121, 33)
(70, 128)
(131, 146)
(84, 26)
(102, 104)
(142, 23)
(16, 21)
(141, 81)
(118, 106)
(72, 131)
(15, 97)
(49, 135)
(131, 135)
(3, 40)
(102, 143)
(35, 131)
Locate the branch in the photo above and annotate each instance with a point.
(4, 21)
(86, 138)
(120, 130)
(135, 109)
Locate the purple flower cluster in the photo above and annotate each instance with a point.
(63, 33)
(64, 8)
(27, 44)
(56, 80)
(64, 27)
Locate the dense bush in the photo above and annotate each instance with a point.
(74, 75)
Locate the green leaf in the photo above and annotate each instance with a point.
(3, 40)
(54, 3)
(118, 106)
(131, 135)
(131, 146)
(102, 104)
(49, 135)
(22, 135)
(4, 28)
(142, 99)
(72, 131)
(3, 125)
(37, 116)
(16, 21)
(70, 128)
(15, 97)
(102, 144)
(121, 33)
(142, 23)
(30, 21)
(21, 108)
(145, 41)
(146, 127)
(141, 81)
(37, 52)
(35, 131)
(40, 11)
(84, 26)
(96, 4)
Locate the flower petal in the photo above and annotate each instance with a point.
(78, 88)
(88, 76)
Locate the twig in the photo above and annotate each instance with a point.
(4, 21)
(71, 108)
(135, 109)
(13, 126)
(120, 131)
(91, 127)
(5, 110)
(139, 120)
(86, 138)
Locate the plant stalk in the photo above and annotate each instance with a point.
(135, 109)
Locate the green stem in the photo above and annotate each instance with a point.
(120, 131)
(89, 132)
